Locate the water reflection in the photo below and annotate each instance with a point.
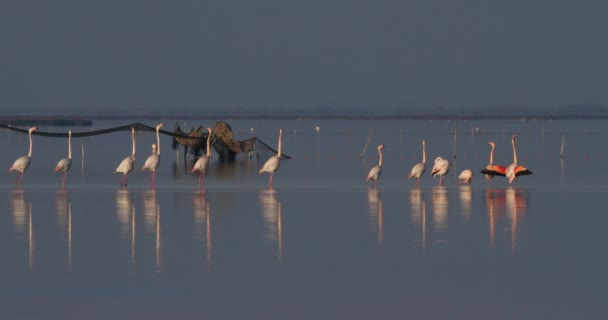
(465, 200)
(152, 224)
(273, 223)
(440, 208)
(18, 208)
(418, 212)
(375, 211)
(125, 209)
(202, 218)
(510, 203)
(63, 207)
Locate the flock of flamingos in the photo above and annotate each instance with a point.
(441, 166)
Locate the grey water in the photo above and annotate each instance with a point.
(322, 243)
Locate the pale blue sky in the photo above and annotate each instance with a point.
(301, 54)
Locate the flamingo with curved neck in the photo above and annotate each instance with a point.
(273, 163)
(22, 163)
(418, 169)
(64, 165)
(515, 170)
(154, 159)
(376, 171)
(127, 164)
(491, 169)
(201, 163)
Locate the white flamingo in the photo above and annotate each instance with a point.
(154, 159)
(64, 165)
(127, 164)
(418, 169)
(376, 171)
(515, 170)
(23, 162)
(441, 168)
(201, 163)
(273, 163)
(491, 169)
(466, 176)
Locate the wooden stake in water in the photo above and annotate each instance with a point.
(369, 139)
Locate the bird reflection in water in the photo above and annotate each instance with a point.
(152, 224)
(465, 200)
(125, 209)
(510, 203)
(64, 218)
(418, 211)
(440, 208)
(202, 217)
(22, 219)
(375, 211)
(273, 219)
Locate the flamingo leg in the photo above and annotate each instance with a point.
(417, 181)
(22, 179)
(271, 174)
(203, 181)
(441, 181)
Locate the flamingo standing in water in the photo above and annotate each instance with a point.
(201, 163)
(376, 171)
(491, 169)
(418, 169)
(154, 159)
(466, 176)
(127, 164)
(441, 168)
(272, 164)
(23, 162)
(515, 170)
(65, 164)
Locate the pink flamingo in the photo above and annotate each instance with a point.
(201, 163)
(515, 170)
(376, 171)
(491, 169)
(418, 169)
(23, 162)
(154, 159)
(127, 164)
(65, 164)
(441, 168)
(273, 163)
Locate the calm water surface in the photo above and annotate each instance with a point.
(322, 243)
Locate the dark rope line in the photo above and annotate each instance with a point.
(138, 127)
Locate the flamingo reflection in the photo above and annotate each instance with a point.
(418, 211)
(125, 209)
(375, 210)
(64, 218)
(510, 203)
(273, 220)
(152, 224)
(465, 200)
(440, 208)
(202, 216)
(22, 218)
(516, 210)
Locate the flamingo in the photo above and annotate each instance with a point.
(376, 171)
(441, 167)
(515, 170)
(127, 164)
(418, 169)
(64, 164)
(491, 169)
(201, 163)
(23, 162)
(466, 176)
(154, 159)
(272, 164)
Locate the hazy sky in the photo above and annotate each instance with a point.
(301, 54)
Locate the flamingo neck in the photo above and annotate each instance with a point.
(492, 155)
(279, 153)
(70, 145)
(133, 143)
(29, 154)
(157, 141)
(423, 152)
(514, 151)
(380, 158)
(208, 146)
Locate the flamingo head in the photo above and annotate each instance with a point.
(514, 138)
(160, 125)
(32, 129)
(491, 143)
(209, 130)
(380, 147)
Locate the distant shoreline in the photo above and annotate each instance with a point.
(87, 120)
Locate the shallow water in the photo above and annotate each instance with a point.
(322, 243)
